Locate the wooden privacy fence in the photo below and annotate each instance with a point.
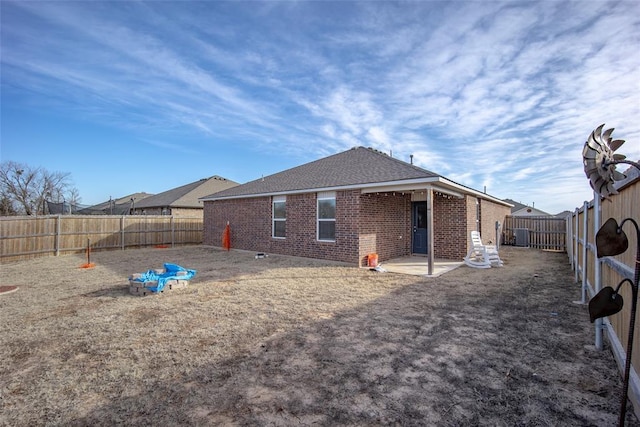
(594, 273)
(25, 237)
(540, 232)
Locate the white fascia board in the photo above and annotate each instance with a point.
(438, 183)
(411, 187)
(280, 193)
(405, 185)
(473, 192)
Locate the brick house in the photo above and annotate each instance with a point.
(348, 205)
(181, 201)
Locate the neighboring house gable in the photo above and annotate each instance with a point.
(520, 209)
(183, 200)
(347, 205)
(529, 211)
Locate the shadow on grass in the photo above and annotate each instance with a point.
(458, 350)
(113, 292)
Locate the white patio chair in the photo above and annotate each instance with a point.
(482, 256)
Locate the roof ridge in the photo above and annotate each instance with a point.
(418, 168)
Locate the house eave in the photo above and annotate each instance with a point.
(437, 183)
(364, 186)
(411, 187)
(473, 192)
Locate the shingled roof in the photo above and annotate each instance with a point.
(357, 166)
(119, 206)
(186, 196)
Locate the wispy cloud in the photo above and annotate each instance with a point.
(497, 94)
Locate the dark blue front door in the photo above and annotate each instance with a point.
(419, 227)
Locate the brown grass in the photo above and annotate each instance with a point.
(292, 341)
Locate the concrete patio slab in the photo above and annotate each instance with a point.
(417, 266)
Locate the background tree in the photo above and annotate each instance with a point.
(74, 198)
(24, 189)
(6, 206)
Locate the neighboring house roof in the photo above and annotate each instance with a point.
(563, 214)
(520, 209)
(529, 211)
(357, 168)
(117, 206)
(632, 174)
(516, 205)
(186, 196)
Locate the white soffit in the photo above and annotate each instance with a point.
(407, 188)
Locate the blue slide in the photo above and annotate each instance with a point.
(171, 273)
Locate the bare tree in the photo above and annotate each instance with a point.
(28, 188)
(6, 206)
(74, 198)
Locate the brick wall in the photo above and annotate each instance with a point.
(250, 221)
(450, 225)
(365, 223)
(148, 211)
(491, 212)
(187, 212)
(176, 212)
(385, 226)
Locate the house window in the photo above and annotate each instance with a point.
(279, 217)
(327, 216)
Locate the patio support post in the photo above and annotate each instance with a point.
(430, 229)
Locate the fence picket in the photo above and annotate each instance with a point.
(548, 233)
(23, 237)
(609, 271)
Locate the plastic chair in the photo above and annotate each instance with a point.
(480, 255)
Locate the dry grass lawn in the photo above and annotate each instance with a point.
(292, 341)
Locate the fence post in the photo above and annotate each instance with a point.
(574, 243)
(58, 231)
(122, 231)
(585, 234)
(597, 273)
(568, 239)
(173, 232)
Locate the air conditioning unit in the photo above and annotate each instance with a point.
(522, 237)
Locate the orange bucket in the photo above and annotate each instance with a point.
(372, 260)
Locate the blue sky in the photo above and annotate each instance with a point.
(147, 96)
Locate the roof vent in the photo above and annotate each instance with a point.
(377, 151)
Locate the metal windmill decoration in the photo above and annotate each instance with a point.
(600, 161)
(600, 167)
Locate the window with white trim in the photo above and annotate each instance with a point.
(279, 217)
(326, 217)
